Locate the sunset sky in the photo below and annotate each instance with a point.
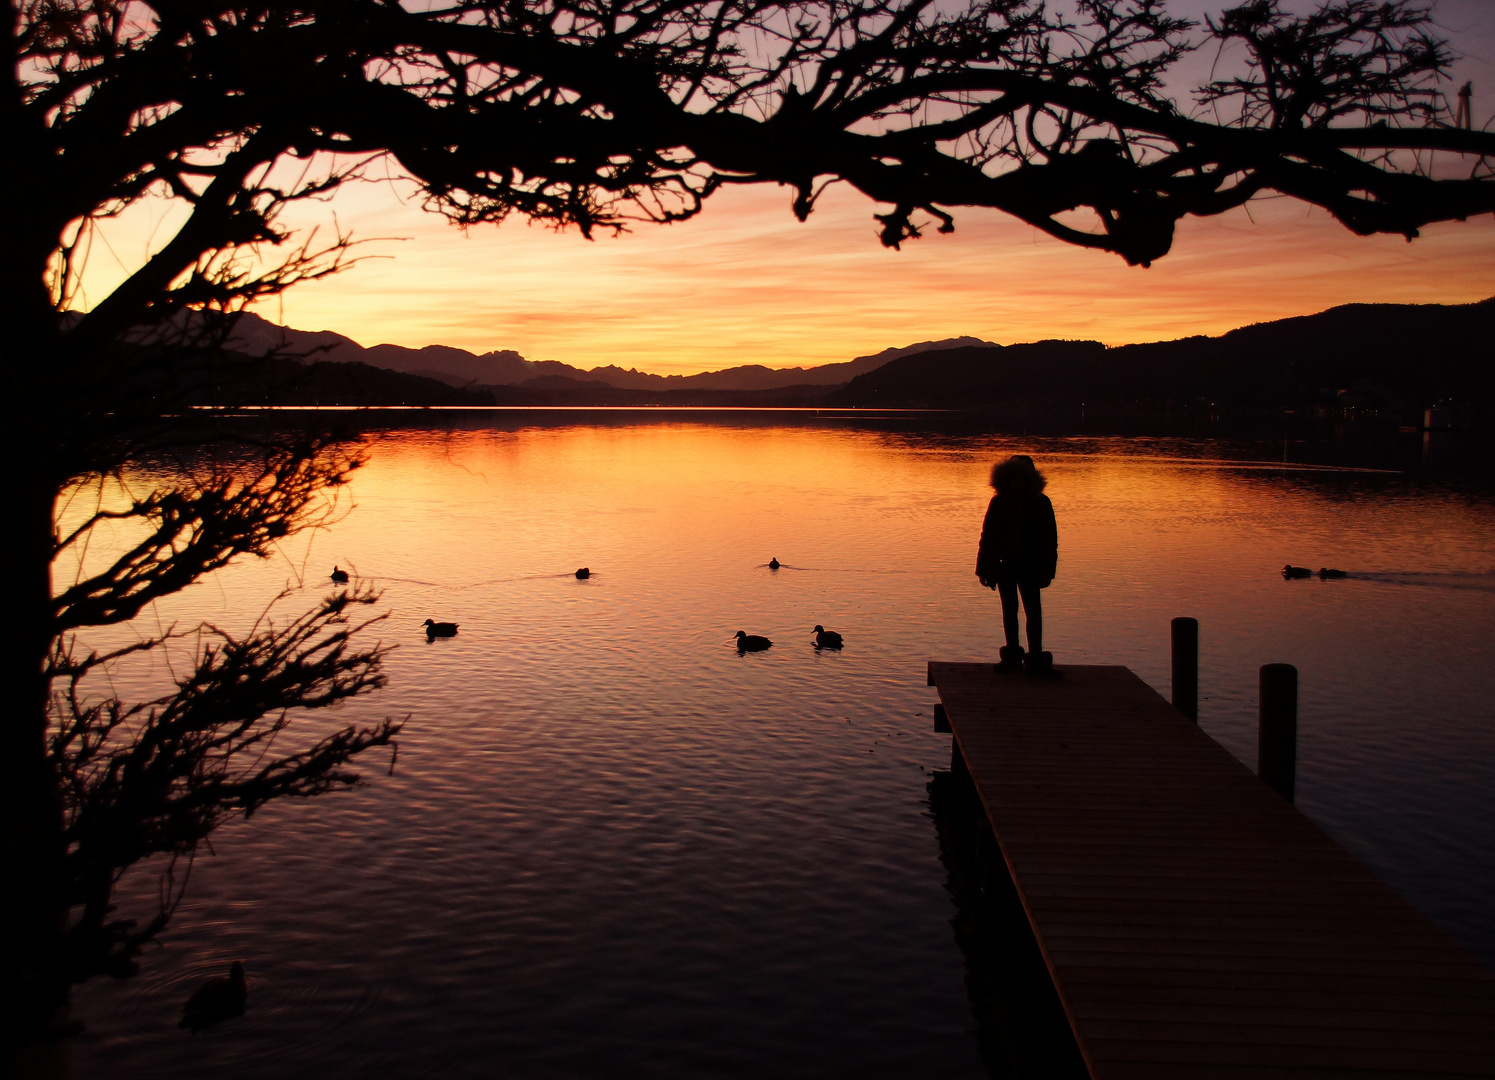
(746, 283)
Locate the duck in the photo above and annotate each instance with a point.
(440, 629)
(826, 639)
(339, 576)
(773, 563)
(1291, 571)
(215, 1000)
(583, 574)
(751, 642)
(1325, 573)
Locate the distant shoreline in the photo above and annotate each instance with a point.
(846, 410)
(1396, 366)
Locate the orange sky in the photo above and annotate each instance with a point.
(746, 283)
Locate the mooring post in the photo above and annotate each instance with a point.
(1186, 667)
(941, 719)
(1277, 728)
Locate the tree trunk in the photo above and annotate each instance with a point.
(34, 852)
(35, 907)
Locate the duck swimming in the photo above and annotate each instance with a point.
(826, 639)
(1291, 571)
(773, 563)
(339, 576)
(751, 642)
(1325, 573)
(440, 629)
(215, 1000)
(583, 574)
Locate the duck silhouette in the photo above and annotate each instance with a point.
(751, 642)
(583, 574)
(1325, 573)
(440, 629)
(339, 576)
(773, 563)
(1291, 571)
(215, 1000)
(826, 639)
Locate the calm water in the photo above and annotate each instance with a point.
(614, 847)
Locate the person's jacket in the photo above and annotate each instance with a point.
(1019, 540)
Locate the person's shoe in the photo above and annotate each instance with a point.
(1012, 660)
(1041, 666)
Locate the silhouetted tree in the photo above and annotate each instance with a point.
(117, 783)
(574, 112)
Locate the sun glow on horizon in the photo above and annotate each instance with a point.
(745, 283)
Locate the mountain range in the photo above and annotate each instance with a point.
(255, 336)
(1389, 361)
(1355, 359)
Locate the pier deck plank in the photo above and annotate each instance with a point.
(1195, 923)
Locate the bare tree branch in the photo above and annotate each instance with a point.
(577, 113)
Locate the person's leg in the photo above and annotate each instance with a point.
(1033, 608)
(1007, 590)
(1012, 652)
(1039, 663)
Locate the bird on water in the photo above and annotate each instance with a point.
(1325, 573)
(215, 1000)
(773, 563)
(583, 574)
(751, 642)
(440, 629)
(826, 639)
(1291, 571)
(339, 576)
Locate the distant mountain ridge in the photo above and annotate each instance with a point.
(1363, 359)
(1386, 362)
(256, 336)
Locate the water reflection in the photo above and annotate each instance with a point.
(613, 846)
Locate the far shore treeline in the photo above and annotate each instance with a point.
(1382, 362)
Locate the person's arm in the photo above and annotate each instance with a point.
(986, 555)
(1049, 531)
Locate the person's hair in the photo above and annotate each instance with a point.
(1017, 476)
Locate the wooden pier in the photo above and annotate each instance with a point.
(1194, 922)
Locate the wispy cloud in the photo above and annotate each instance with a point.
(746, 283)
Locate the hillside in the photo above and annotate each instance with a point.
(244, 381)
(1376, 359)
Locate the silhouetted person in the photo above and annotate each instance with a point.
(1019, 551)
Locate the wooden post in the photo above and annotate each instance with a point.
(1186, 667)
(941, 719)
(1277, 728)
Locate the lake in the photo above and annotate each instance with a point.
(613, 846)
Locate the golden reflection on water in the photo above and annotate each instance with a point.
(590, 754)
